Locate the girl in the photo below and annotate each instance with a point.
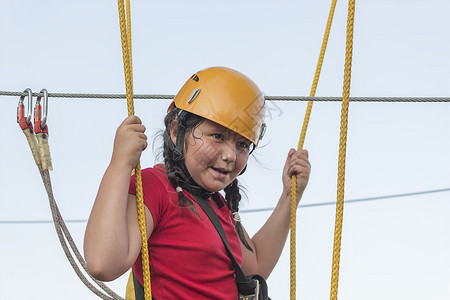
(212, 126)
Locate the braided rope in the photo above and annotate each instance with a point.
(62, 233)
(58, 221)
(129, 52)
(292, 250)
(293, 208)
(125, 34)
(342, 151)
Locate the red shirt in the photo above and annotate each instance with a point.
(187, 257)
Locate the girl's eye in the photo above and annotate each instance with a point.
(244, 145)
(217, 136)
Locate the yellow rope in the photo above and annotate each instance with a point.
(293, 215)
(129, 52)
(125, 34)
(342, 151)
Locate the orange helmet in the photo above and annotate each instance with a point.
(227, 97)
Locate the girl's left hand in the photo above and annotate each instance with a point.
(297, 163)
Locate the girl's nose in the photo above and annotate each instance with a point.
(228, 152)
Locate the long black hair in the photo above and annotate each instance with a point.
(178, 174)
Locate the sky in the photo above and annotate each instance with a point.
(395, 248)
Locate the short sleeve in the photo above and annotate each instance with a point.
(155, 192)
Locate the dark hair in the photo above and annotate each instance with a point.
(232, 191)
(233, 197)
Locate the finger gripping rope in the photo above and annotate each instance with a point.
(125, 34)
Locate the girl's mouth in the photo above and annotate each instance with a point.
(221, 171)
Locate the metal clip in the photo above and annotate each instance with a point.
(40, 125)
(25, 122)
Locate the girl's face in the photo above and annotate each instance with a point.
(214, 155)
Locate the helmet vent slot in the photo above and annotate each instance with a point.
(193, 95)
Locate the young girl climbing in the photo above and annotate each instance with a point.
(211, 128)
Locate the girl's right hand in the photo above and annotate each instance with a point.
(129, 142)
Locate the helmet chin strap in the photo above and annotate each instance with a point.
(243, 170)
(185, 180)
(177, 149)
(188, 183)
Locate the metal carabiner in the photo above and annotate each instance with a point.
(40, 124)
(25, 122)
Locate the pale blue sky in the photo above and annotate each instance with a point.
(391, 249)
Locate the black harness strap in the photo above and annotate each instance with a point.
(245, 286)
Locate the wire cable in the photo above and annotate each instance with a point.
(268, 98)
(256, 210)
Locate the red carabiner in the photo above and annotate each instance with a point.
(40, 125)
(25, 122)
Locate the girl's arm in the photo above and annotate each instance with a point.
(112, 240)
(268, 242)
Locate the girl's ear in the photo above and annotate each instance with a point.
(173, 131)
